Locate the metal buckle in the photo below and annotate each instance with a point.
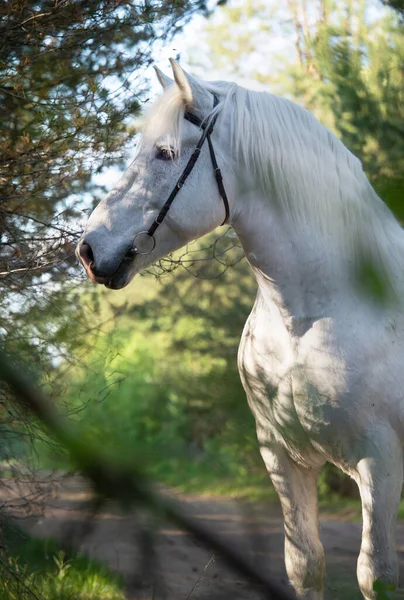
(150, 237)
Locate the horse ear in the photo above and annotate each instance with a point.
(164, 80)
(194, 94)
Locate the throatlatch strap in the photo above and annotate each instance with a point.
(219, 180)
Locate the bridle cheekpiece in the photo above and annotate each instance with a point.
(207, 127)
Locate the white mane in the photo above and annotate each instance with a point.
(301, 166)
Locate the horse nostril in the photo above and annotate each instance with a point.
(86, 255)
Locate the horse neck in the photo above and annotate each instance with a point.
(301, 272)
(305, 211)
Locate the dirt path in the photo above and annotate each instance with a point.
(184, 569)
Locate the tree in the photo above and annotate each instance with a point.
(343, 61)
(397, 5)
(70, 84)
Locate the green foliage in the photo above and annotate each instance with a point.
(34, 568)
(385, 591)
(69, 87)
(372, 283)
(162, 381)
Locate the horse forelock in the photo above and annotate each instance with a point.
(164, 119)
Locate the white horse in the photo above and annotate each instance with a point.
(321, 361)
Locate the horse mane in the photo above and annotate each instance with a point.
(164, 118)
(301, 166)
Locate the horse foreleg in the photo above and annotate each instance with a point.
(380, 479)
(304, 553)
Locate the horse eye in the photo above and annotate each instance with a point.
(164, 154)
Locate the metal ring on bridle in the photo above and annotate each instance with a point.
(150, 237)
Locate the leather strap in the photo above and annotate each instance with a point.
(207, 128)
(219, 180)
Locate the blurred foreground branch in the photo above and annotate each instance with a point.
(127, 484)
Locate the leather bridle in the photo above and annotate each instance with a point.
(207, 127)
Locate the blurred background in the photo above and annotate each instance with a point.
(150, 372)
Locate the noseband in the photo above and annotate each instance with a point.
(207, 128)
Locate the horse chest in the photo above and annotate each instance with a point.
(291, 384)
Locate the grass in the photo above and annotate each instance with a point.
(215, 474)
(337, 587)
(208, 479)
(35, 569)
(256, 487)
